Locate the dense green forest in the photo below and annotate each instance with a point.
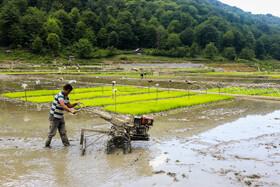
(179, 28)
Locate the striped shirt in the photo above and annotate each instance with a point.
(56, 110)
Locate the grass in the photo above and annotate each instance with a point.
(77, 90)
(146, 107)
(79, 96)
(133, 98)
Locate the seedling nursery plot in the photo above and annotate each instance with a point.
(147, 107)
(77, 90)
(88, 95)
(126, 99)
(133, 98)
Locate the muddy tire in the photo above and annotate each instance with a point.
(110, 146)
(127, 145)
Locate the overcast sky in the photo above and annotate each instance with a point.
(256, 6)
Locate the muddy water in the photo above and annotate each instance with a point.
(230, 144)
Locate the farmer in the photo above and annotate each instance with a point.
(60, 103)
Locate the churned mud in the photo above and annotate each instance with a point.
(227, 144)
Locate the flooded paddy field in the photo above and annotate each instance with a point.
(235, 143)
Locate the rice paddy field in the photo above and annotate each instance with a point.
(127, 100)
(199, 137)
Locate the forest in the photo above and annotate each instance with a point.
(177, 28)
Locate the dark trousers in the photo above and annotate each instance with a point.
(58, 124)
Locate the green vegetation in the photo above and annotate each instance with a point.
(133, 98)
(77, 90)
(271, 94)
(79, 96)
(243, 91)
(98, 29)
(146, 107)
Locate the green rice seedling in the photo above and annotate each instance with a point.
(79, 96)
(77, 90)
(271, 95)
(29, 93)
(96, 89)
(133, 98)
(146, 107)
(242, 91)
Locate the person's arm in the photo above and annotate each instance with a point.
(69, 105)
(67, 108)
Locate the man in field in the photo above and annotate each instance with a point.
(60, 103)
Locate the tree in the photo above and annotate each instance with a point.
(259, 49)
(173, 41)
(52, 26)
(210, 50)
(9, 16)
(16, 35)
(124, 17)
(229, 53)
(91, 20)
(83, 48)
(127, 39)
(228, 39)
(74, 15)
(79, 30)
(113, 39)
(146, 35)
(185, 20)
(37, 45)
(53, 43)
(275, 51)
(187, 36)
(250, 41)
(32, 23)
(89, 34)
(194, 50)
(165, 18)
(174, 26)
(206, 33)
(102, 38)
(239, 40)
(66, 23)
(154, 21)
(247, 54)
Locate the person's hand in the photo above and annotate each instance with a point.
(78, 103)
(74, 112)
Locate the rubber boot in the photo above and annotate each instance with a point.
(48, 142)
(65, 140)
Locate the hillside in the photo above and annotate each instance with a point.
(179, 28)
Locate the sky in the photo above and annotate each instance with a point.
(256, 6)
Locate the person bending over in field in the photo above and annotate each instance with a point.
(60, 103)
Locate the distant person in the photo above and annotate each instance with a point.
(60, 103)
(142, 75)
